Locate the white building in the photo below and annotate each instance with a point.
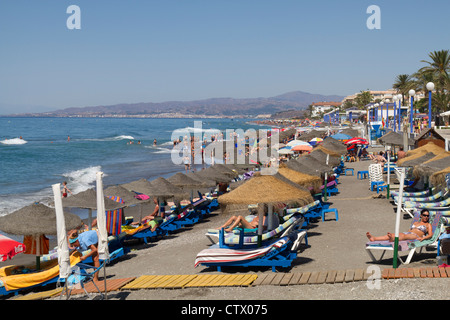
(323, 107)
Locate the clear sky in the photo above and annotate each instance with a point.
(162, 50)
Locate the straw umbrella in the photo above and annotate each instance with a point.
(300, 178)
(185, 183)
(36, 220)
(394, 139)
(142, 186)
(334, 145)
(439, 178)
(428, 168)
(321, 156)
(88, 200)
(416, 159)
(301, 167)
(266, 189)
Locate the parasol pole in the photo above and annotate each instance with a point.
(103, 251)
(326, 180)
(388, 151)
(397, 220)
(37, 239)
(260, 223)
(63, 247)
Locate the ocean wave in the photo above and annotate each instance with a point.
(15, 141)
(116, 138)
(159, 149)
(82, 179)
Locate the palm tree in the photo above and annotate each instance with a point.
(363, 98)
(403, 83)
(439, 67)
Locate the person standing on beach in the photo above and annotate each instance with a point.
(85, 241)
(65, 190)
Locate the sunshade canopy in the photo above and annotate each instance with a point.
(267, 189)
(36, 219)
(88, 200)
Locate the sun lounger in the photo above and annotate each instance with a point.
(239, 237)
(410, 206)
(279, 253)
(83, 273)
(419, 194)
(407, 245)
(441, 195)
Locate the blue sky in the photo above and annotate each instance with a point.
(153, 51)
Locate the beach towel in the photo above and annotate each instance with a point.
(221, 255)
(21, 281)
(31, 244)
(402, 245)
(114, 218)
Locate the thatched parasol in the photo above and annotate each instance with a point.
(311, 135)
(225, 170)
(438, 178)
(327, 151)
(321, 156)
(301, 167)
(429, 147)
(352, 132)
(36, 219)
(213, 174)
(310, 161)
(415, 159)
(128, 197)
(394, 139)
(267, 189)
(142, 186)
(432, 166)
(88, 200)
(164, 189)
(300, 178)
(334, 145)
(185, 182)
(205, 183)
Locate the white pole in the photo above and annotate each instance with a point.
(101, 226)
(397, 219)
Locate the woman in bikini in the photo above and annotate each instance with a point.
(419, 231)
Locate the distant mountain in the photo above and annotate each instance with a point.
(227, 107)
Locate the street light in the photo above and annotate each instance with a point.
(411, 94)
(430, 87)
(395, 98)
(399, 113)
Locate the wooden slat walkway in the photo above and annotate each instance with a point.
(228, 280)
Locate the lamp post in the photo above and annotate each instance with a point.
(399, 111)
(395, 98)
(430, 87)
(411, 94)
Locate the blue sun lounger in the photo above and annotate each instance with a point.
(279, 253)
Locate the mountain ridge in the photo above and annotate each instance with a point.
(226, 106)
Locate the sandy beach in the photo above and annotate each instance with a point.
(333, 245)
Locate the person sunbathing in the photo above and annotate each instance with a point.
(420, 230)
(240, 221)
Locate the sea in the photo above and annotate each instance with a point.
(36, 153)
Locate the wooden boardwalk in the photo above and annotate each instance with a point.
(245, 280)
